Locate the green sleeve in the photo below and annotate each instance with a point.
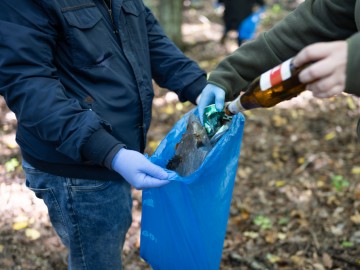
(353, 66)
(313, 21)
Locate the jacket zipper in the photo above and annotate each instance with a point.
(109, 9)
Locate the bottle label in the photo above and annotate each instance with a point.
(275, 75)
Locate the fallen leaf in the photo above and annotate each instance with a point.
(327, 261)
(252, 235)
(320, 184)
(298, 260)
(272, 258)
(271, 237)
(355, 218)
(355, 170)
(330, 136)
(32, 234)
(179, 106)
(281, 236)
(169, 109)
(301, 160)
(153, 144)
(279, 121)
(337, 230)
(280, 183)
(351, 103)
(318, 266)
(20, 225)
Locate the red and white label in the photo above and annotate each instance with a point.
(276, 75)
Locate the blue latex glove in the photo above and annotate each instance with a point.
(210, 95)
(138, 171)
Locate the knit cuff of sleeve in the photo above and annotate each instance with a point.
(99, 146)
(223, 76)
(192, 91)
(353, 64)
(109, 158)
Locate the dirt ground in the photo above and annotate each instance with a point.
(296, 201)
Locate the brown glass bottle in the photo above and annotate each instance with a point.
(272, 87)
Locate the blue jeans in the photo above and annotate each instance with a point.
(91, 217)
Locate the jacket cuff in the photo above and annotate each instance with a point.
(99, 146)
(353, 63)
(192, 91)
(110, 156)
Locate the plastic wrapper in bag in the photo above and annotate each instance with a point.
(184, 223)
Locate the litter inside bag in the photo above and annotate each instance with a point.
(184, 223)
(198, 140)
(192, 149)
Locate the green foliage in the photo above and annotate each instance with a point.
(263, 222)
(339, 182)
(347, 244)
(276, 8)
(11, 165)
(283, 221)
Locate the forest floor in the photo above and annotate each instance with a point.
(296, 200)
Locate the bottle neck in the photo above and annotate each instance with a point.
(266, 81)
(233, 107)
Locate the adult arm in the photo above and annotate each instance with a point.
(313, 21)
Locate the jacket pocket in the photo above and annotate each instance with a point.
(88, 35)
(130, 8)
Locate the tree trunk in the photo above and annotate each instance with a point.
(170, 17)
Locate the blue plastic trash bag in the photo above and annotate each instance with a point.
(247, 28)
(184, 223)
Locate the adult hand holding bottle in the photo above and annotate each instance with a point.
(210, 95)
(138, 171)
(327, 76)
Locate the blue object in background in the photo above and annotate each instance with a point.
(247, 28)
(184, 223)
